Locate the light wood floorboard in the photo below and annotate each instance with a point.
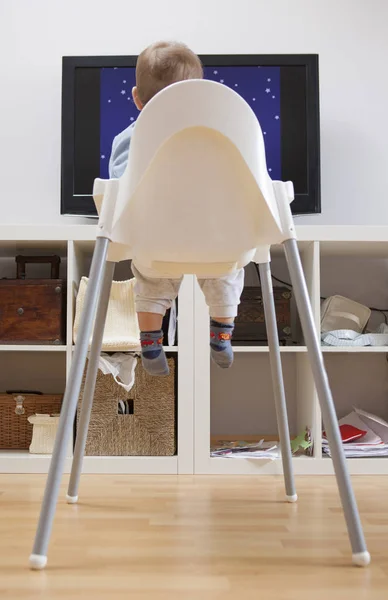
(186, 538)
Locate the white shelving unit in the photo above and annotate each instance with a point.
(236, 403)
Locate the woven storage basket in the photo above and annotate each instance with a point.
(15, 430)
(149, 431)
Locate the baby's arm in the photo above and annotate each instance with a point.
(119, 155)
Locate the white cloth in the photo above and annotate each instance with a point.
(346, 337)
(222, 295)
(121, 366)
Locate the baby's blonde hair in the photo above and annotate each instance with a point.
(162, 64)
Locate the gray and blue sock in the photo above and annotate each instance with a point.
(152, 353)
(221, 343)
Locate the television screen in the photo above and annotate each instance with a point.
(282, 92)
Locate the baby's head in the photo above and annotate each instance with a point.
(160, 65)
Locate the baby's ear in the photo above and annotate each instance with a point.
(136, 99)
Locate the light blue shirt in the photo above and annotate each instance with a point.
(120, 149)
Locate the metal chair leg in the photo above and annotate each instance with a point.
(277, 380)
(38, 558)
(361, 556)
(90, 385)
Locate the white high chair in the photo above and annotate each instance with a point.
(196, 198)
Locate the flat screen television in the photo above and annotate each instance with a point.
(281, 89)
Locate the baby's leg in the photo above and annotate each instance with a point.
(222, 297)
(153, 297)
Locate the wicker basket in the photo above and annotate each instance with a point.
(149, 431)
(15, 430)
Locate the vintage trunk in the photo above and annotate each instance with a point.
(250, 323)
(32, 311)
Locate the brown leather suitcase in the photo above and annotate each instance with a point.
(250, 324)
(33, 311)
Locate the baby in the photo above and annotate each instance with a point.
(159, 66)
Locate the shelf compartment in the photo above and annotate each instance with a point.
(310, 263)
(359, 380)
(358, 276)
(42, 370)
(242, 398)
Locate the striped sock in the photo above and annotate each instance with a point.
(152, 353)
(221, 343)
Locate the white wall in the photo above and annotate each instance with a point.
(349, 35)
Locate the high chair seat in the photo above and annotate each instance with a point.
(196, 196)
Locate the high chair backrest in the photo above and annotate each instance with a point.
(196, 196)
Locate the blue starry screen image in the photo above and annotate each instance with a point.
(259, 86)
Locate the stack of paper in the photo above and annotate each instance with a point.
(373, 443)
(262, 449)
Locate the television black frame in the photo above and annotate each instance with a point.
(309, 203)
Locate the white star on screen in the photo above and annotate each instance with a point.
(277, 117)
(221, 81)
(269, 79)
(123, 92)
(236, 85)
(109, 100)
(267, 91)
(124, 81)
(215, 72)
(253, 99)
(265, 133)
(132, 119)
(273, 97)
(270, 170)
(102, 155)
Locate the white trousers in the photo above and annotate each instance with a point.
(222, 295)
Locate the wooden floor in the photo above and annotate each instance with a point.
(169, 538)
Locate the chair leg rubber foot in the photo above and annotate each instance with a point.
(292, 498)
(361, 559)
(37, 562)
(71, 499)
